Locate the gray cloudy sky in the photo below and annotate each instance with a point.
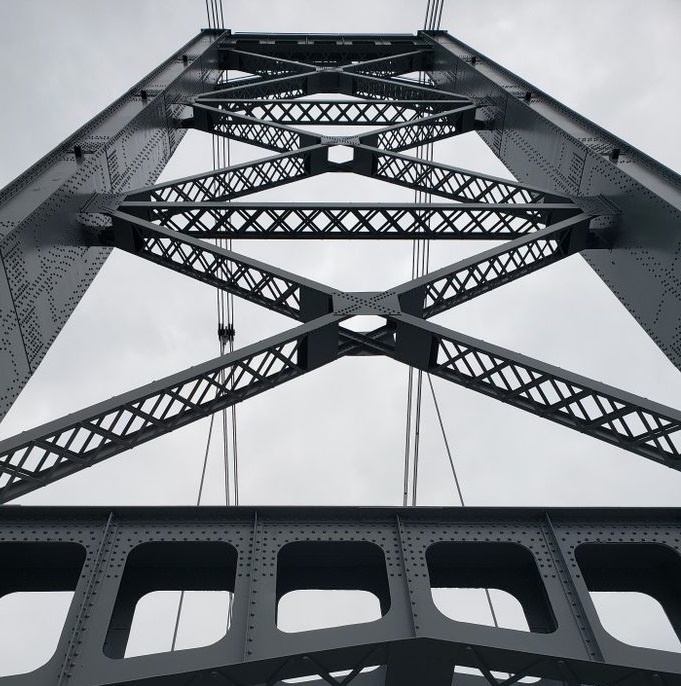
(336, 435)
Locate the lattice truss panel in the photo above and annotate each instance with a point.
(166, 224)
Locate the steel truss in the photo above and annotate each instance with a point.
(540, 223)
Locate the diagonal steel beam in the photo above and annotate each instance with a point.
(263, 65)
(239, 180)
(54, 450)
(260, 283)
(628, 421)
(283, 86)
(446, 181)
(344, 221)
(365, 86)
(261, 133)
(445, 288)
(424, 130)
(393, 65)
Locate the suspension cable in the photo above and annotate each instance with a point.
(456, 481)
(220, 153)
(433, 21)
(202, 482)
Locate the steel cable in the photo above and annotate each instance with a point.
(225, 308)
(432, 22)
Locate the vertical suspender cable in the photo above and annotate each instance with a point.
(215, 16)
(425, 21)
(433, 21)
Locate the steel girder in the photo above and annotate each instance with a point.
(478, 221)
(550, 560)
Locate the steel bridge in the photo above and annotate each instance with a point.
(578, 189)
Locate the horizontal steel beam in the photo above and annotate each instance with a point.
(352, 220)
(321, 50)
(334, 112)
(550, 560)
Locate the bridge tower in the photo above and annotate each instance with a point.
(578, 189)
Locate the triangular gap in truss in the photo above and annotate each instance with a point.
(233, 76)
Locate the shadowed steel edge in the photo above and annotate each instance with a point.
(583, 191)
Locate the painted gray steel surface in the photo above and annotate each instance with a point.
(600, 197)
(550, 559)
(47, 260)
(541, 141)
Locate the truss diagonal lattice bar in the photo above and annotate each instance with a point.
(265, 285)
(394, 65)
(263, 134)
(449, 182)
(433, 221)
(379, 88)
(281, 87)
(335, 112)
(263, 65)
(281, 138)
(423, 131)
(445, 288)
(623, 419)
(235, 181)
(52, 451)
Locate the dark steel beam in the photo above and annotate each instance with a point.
(46, 263)
(393, 65)
(263, 134)
(334, 81)
(334, 112)
(424, 130)
(239, 180)
(445, 181)
(252, 280)
(54, 450)
(623, 419)
(449, 286)
(308, 220)
(262, 65)
(325, 50)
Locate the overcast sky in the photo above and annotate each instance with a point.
(336, 436)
